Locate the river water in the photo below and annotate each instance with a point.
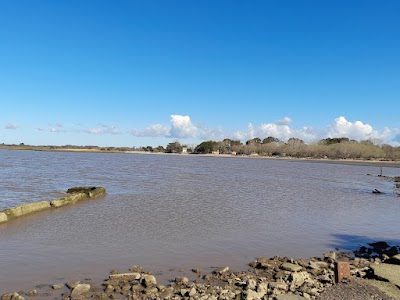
(169, 212)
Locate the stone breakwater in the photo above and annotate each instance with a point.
(74, 194)
(273, 278)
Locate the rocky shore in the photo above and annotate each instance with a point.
(374, 273)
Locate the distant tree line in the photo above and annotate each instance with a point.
(334, 148)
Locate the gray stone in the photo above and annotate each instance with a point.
(291, 267)
(253, 295)
(80, 290)
(330, 256)
(148, 280)
(57, 286)
(109, 289)
(123, 276)
(32, 293)
(12, 296)
(72, 284)
(251, 284)
(222, 270)
(278, 285)
(181, 280)
(289, 297)
(297, 279)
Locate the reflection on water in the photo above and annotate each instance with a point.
(181, 211)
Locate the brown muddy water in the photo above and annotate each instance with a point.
(168, 212)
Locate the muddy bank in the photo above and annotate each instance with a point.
(374, 275)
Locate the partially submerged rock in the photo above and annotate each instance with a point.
(25, 209)
(75, 194)
(90, 191)
(3, 217)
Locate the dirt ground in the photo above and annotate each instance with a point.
(354, 290)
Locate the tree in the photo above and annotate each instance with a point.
(174, 147)
(270, 139)
(206, 147)
(254, 141)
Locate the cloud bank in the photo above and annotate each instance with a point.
(182, 127)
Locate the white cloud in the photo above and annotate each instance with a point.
(156, 130)
(179, 127)
(282, 132)
(360, 131)
(182, 127)
(11, 126)
(102, 130)
(55, 130)
(357, 130)
(284, 121)
(245, 135)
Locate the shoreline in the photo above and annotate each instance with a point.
(271, 278)
(361, 162)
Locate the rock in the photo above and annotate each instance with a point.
(109, 289)
(181, 280)
(148, 280)
(192, 292)
(289, 297)
(253, 295)
(80, 289)
(90, 191)
(72, 284)
(57, 286)
(3, 217)
(297, 279)
(12, 296)
(281, 275)
(197, 271)
(278, 286)
(25, 209)
(330, 256)
(32, 293)
(387, 272)
(379, 245)
(222, 270)
(395, 259)
(68, 200)
(291, 267)
(136, 269)
(262, 288)
(125, 276)
(251, 284)
(167, 293)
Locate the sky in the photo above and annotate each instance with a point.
(138, 73)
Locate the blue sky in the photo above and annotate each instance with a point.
(137, 73)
